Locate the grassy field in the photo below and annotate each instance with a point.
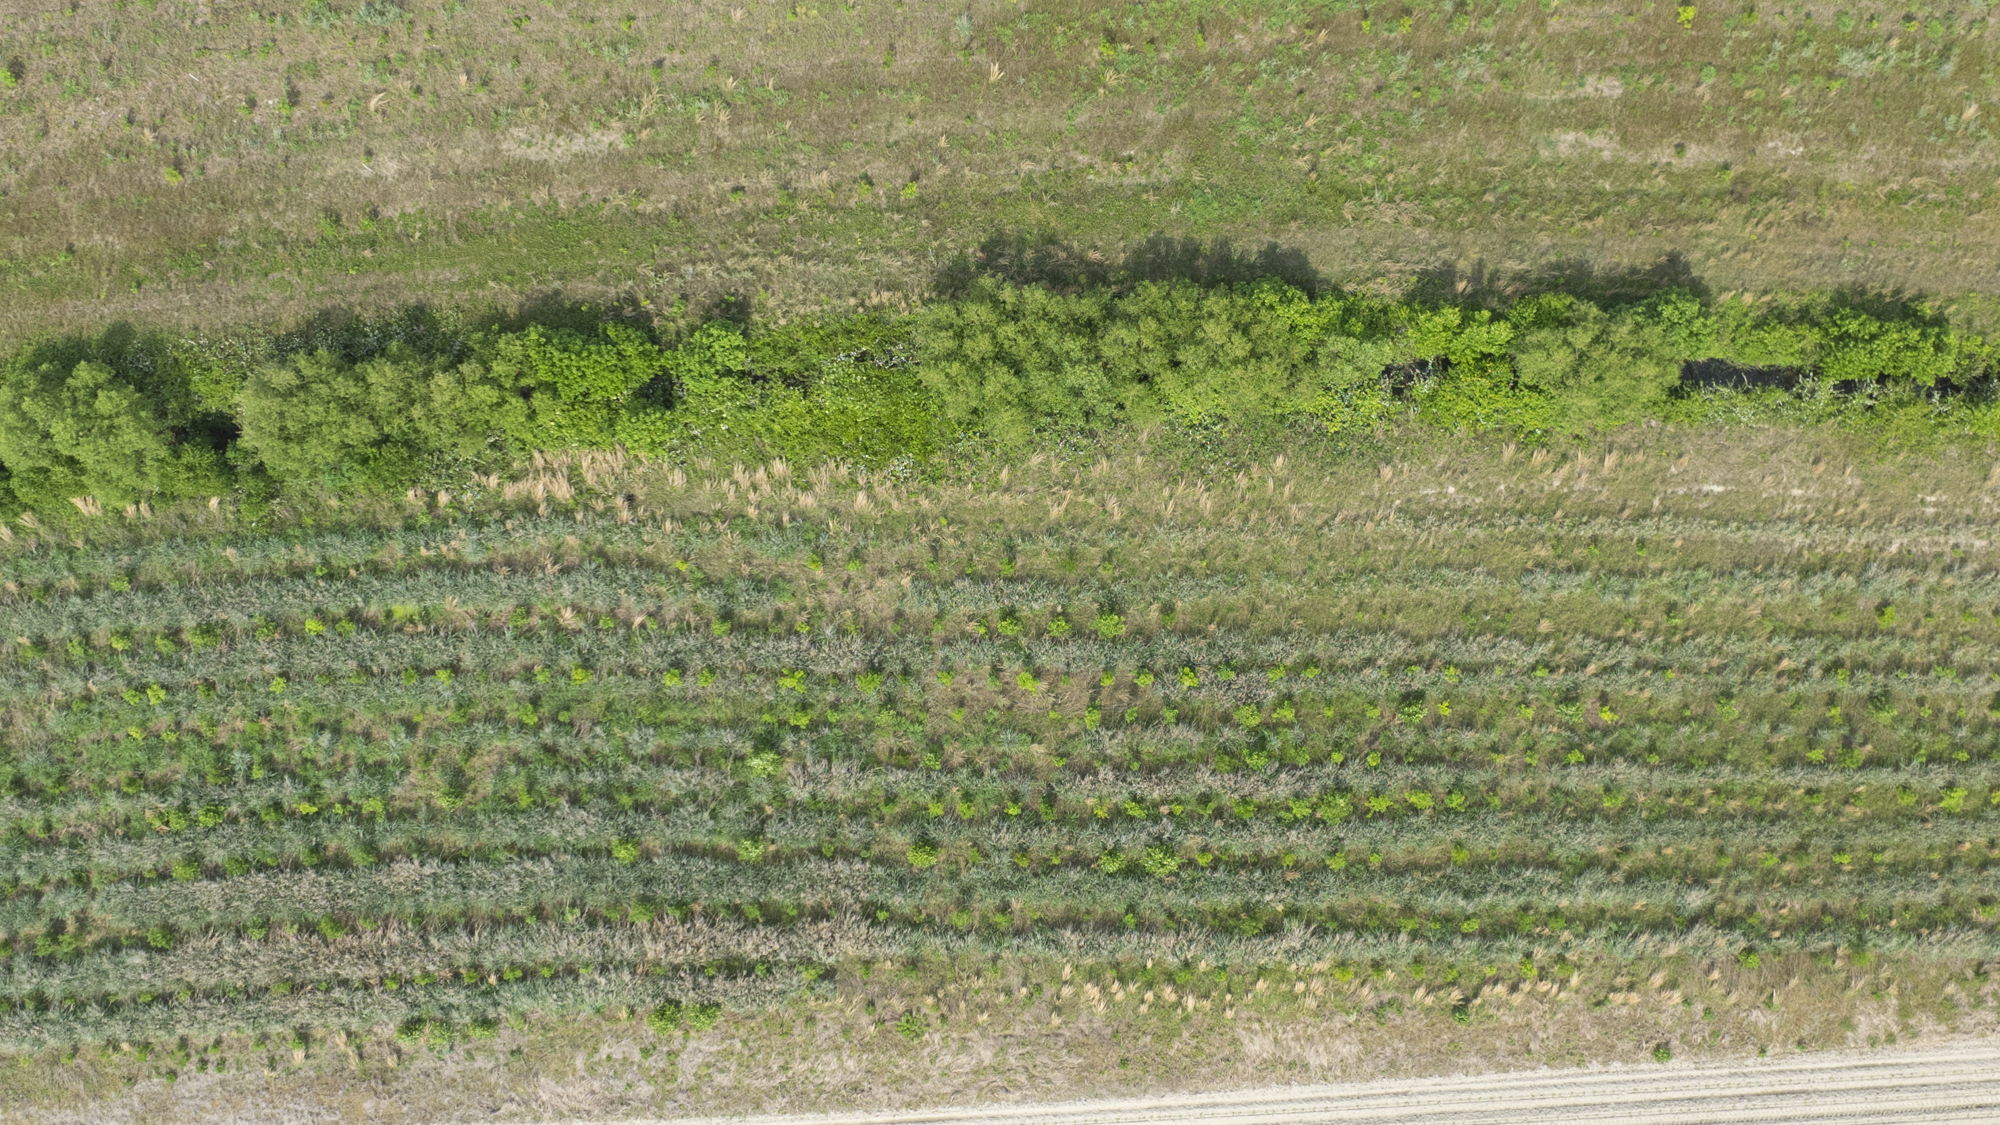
(626, 787)
(224, 164)
(1422, 670)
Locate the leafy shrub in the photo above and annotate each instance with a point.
(702, 1017)
(837, 388)
(1201, 354)
(582, 392)
(378, 424)
(1009, 359)
(81, 431)
(1853, 346)
(664, 1019)
(1603, 369)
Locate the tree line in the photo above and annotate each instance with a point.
(377, 406)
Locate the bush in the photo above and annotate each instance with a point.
(1856, 347)
(1199, 354)
(708, 387)
(580, 392)
(844, 388)
(1009, 359)
(82, 431)
(379, 424)
(702, 1017)
(665, 1019)
(1603, 370)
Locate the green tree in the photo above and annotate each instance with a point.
(842, 388)
(80, 432)
(381, 423)
(1199, 354)
(1602, 370)
(1854, 346)
(712, 394)
(578, 388)
(1006, 359)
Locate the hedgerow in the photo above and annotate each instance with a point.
(379, 407)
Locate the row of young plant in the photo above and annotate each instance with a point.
(364, 818)
(1345, 571)
(432, 797)
(1343, 582)
(517, 932)
(312, 727)
(144, 1016)
(713, 534)
(808, 687)
(1781, 846)
(494, 768)
(235, 610)
(1161, 634)
(1502, 690)
(1177, 976)
(86, 424)
(1408, 715)
(219, 951)
(837, 663)
(1589, 899)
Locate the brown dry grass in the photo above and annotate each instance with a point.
(983, 1043)
(1820, 483)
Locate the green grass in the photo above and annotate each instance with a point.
(588, 150)
(602, 787)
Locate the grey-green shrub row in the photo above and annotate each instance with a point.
(657, 756)
(116, 835)
(239, 606)
(1253, 824)
(364, 919)
(472, 538)
(438, 1009)
(115, 421)
(450, 1008)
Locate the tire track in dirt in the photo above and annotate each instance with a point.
(1953, 1083)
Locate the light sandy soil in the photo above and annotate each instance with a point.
(1955, 1082)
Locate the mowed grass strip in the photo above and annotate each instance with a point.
(250, 166)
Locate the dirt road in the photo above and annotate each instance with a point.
(1953, 1083)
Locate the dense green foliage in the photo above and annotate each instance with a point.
(382, 407)
(318, 419)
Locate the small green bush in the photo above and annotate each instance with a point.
(702, 1017)
(664, 1019)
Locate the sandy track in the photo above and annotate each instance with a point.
(1950, 1083)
